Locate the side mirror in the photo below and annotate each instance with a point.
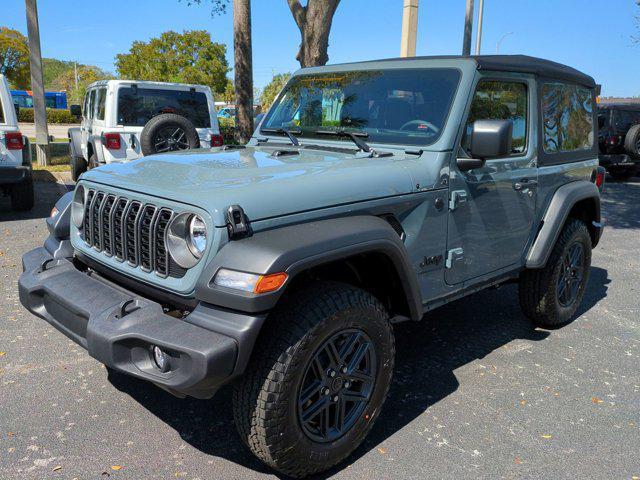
(75, 110)
(489, 139)
(17, 107)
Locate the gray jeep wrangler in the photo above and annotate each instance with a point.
(370, 194)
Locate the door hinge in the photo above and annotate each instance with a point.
(458, 197)
(453, 255)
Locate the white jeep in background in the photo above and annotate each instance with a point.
(123, 120)
(16, 179)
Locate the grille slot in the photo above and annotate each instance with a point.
(130, 231)
(161, 254)
(145, 237)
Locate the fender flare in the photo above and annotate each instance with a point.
(294, 249)
(563, 200)
(75, 142)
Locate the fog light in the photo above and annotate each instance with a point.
(161, 359)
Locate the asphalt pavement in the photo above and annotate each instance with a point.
(477, 392)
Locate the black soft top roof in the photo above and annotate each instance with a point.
(520, 64)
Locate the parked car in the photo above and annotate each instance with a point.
(123, 120)
(16, 179)
(227, 112)
(282, 264)
(619, 139)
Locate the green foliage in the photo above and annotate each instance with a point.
(272, 89)
(14, 58)
(228, 133)
(229, 95)
(86, 76)
(226, 122)
(52, 69)
(54, 115)
(188, 57)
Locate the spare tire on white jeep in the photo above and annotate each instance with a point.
(167, 133)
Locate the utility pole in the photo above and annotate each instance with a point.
(479, 32)
(75, 73)
(37, 84)
(243, 68)
(409, 28)
(468, 27)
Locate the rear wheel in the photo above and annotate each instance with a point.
(22, 198)
(167, 133)
(632, 141)
(78, 167)
(318, 380)
(551, 295)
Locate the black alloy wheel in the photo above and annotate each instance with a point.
(570, 275)
(170, 139)
(337, 385)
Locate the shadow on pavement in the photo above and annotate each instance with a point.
(620, 202)
(47, 194)
(427, 354)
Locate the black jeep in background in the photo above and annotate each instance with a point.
(619, 139)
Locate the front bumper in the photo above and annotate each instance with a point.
(119, 328)
(10, 175)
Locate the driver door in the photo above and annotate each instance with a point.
(492, 208)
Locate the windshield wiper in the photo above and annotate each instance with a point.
(288, 133)
(361, 144)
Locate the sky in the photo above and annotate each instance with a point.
(595, 36)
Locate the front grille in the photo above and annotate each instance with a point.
(129, 231)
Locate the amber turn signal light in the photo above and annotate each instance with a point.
(270, 283)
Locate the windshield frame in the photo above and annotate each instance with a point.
(306, 136)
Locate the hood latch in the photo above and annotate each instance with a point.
(237, 223)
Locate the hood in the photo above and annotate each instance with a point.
(264, 185)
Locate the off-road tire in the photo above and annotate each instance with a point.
(167, 120)
(78, 167)
(632, 142)
(22, 198)
(265, 399)
(537, 287)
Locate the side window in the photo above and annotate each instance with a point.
(102, 102)
(92, 104)
(567, 118)
(500, 100)
(85, 106)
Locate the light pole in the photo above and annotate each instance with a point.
(500, 41)
(37, 84)
(479, 32)
(468, 27)
(409, 28)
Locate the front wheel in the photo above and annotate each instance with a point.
(551, 295)
(22, 196)
(318, 379)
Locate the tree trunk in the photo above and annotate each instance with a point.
(314, 21)
(243, 69)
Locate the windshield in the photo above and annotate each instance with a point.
(136, 106)
(400, 106)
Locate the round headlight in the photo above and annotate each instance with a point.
(197, 236)
(186, 239)
(77, 206)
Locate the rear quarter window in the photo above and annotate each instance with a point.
(567, 118)
(136, 106)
